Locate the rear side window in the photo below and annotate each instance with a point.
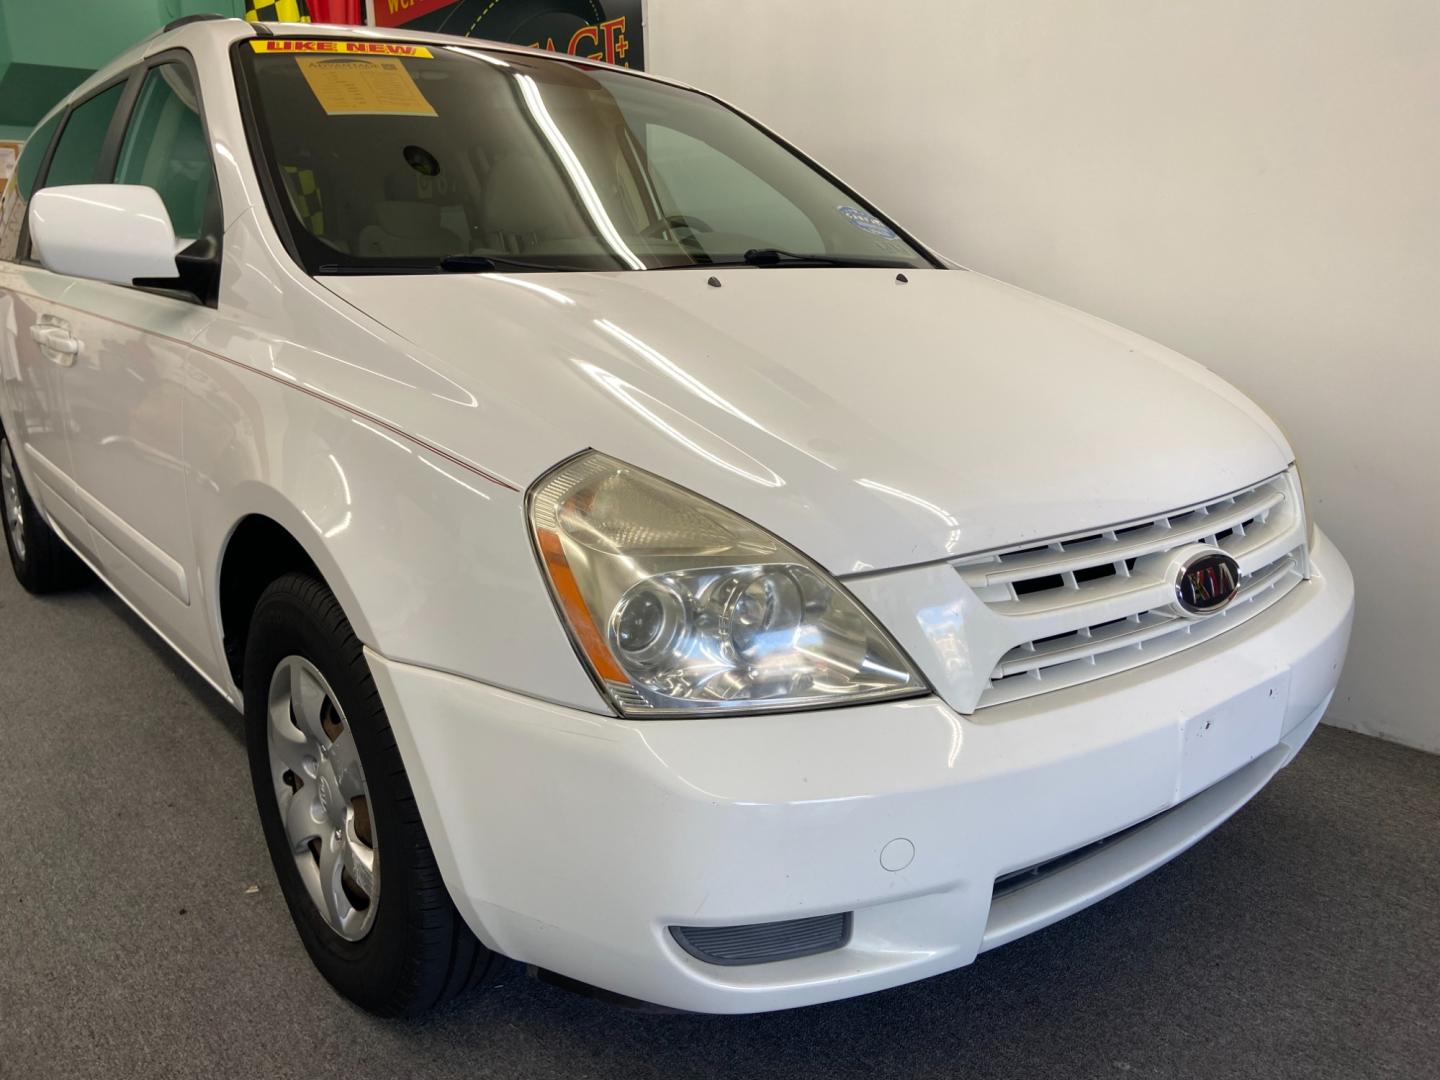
(22, 186)
(165, 148)
(77, 155)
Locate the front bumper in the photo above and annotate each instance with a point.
(573, 841)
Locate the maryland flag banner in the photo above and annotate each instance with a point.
(277, 11)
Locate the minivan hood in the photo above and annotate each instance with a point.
(869, 421)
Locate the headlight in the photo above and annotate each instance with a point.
(682, 608)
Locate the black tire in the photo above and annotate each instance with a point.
(418, 951)
(41, 561)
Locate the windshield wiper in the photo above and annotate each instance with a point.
(374, 268)
(775, 256)
(484, 264)
(450, 264)
(489, 264)
(780, 257)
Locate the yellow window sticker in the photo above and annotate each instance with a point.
(339, 47)
(363, 86)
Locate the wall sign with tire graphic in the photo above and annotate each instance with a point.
(608, 30)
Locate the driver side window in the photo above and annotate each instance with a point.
(165, 148)
(82, 141)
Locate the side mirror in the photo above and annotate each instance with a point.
(109, 232)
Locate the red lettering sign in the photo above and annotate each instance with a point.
(399, 12)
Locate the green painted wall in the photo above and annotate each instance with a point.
(47, 47)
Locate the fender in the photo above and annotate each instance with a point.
(432, 565)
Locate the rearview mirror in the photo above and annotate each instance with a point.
(109, 232)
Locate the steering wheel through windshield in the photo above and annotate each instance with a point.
(671, 222)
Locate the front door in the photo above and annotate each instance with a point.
(125, 394)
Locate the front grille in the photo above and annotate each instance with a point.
(764, 943)
(1092, 605)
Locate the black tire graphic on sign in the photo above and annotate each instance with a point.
(523, 22)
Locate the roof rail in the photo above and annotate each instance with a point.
(186, 20)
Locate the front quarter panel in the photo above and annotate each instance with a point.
(430, 559)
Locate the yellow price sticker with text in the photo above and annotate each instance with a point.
(363, 86)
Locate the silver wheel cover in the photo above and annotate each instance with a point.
(323, 798)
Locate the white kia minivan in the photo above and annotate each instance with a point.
(636, 556)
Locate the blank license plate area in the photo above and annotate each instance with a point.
(1233, 734)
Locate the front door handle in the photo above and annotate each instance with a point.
(56, 342)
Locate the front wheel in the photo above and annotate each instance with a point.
(340, 819)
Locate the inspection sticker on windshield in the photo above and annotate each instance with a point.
(867, 222)
(340, 47)
(363, 86)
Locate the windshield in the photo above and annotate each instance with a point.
(402, 156)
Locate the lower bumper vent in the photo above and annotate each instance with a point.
(764, 943)
(1006, 884)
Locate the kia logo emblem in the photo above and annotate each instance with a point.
(1207, 583)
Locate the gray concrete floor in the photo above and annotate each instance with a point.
(1301, 940)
